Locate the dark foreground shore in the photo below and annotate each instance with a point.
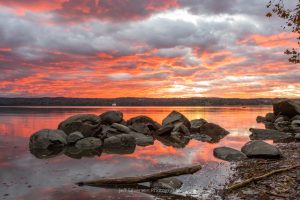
(284, 185)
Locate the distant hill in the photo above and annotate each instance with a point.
(128, 101)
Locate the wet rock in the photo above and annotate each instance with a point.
(297, 117)
(175, 117)
(281, 119)
(47, 138)
(202, 138)
(121, 127)
(141, 139)
(270, 117)
(76, 153)
(295, 126)
(181, 128)
(269, 125)
(167, 184)
(74, 137)
(147, 121)
(196, 124)
(268, 134)
(165, 130)
(215, 131)
(297, 136)
(119, 141)
(46, 153)
(283, 126)
(285, 107)
(229, 154)
(87, 124)
(110, 117)
(260, 149)
(89, 143)
(108, 131)
(260, 119)
(140, 128)
(177, 141)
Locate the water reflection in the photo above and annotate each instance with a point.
(25, 177)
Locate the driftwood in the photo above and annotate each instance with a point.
(141, 179)
(250, 180)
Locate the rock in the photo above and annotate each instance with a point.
(141, 139)
(297, 117)
(140, 128)
(229, 154)
(87, 124)
(150, 123)
(47, 139)
(281, 119)
(177, 141)
(285, 107)
(74, 137)
(260, 119)
(181, 128)
(297, 136)
(283, 126)
(174, 117)
(202, 138)
(46, 153)
(119, 141)
(268, 134)
(76, 153)
(108, 131)
(260, 149)
(215, 131)
(295, 126)
(165, 130)
(110, 117)
(89, 143)
(121, 127)
(196, 124)
(170, 184)
(270, 117)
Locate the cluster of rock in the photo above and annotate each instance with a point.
(86, 135)
(281, 126)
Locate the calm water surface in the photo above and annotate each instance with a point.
(23, 176)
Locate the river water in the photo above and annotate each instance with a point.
(23, 176)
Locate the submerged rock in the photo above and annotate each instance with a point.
(47, 138)
(167, 184)
(110, 117)
(74, 137)
(175, 117)
(260, 149)
(287, 108)
(87, 124)
(89, 143)
(229, 154)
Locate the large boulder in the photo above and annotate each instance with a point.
(120, 141)
(197, 123)
(110, 117)
(147, 121)
(286, 107)
(87, 124)
(175, 117)
(268, 134)
(74, 137)
(214, 131)
(141, 139)
(47, 139)
(170, 184)
(229, 154)
(89, 143)
(108, 131)
(260, 149)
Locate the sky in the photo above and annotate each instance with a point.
(144, 48)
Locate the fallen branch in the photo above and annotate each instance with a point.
(142, 179)
(250, 180)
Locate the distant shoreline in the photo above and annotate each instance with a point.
(138, 102)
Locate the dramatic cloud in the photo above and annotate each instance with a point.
(145, 48)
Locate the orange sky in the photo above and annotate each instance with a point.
(145, 48)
